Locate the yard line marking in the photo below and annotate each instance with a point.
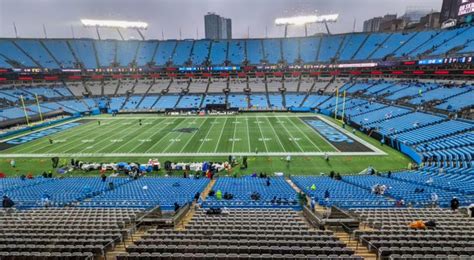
(248, 133)
(73, 140)
(142, 133)
(100, 137)
(78, 137)
(164, 136)
(233, 136)
(194, 134)
(263, 138)
(165, 124)
(179, 135)
(292, 137)
(207, 134)
(301, 131)
(220, 136)
(133, 133)
(278, 138)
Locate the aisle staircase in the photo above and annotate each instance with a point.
(353, 244)
(120, 247)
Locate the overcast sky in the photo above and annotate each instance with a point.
(170, 15)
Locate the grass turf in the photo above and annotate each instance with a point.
(178, 135)
(243, 133)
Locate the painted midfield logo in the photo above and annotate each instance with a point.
(186, 130)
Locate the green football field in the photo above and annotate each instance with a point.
(188, 136)
(267, 138)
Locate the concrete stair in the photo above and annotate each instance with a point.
(120, 247)
(182, 225)
(352, 244)
(208, 188)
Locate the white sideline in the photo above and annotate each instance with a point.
(92, 155)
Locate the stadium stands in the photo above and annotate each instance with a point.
(242, 189)
(341, 194)
(242, 233)
(147, 193)
(425, 118)
(392, 239)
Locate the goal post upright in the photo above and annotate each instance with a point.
(343, 105)
(337, 100)
(24, 110)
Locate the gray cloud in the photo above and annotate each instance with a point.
(171, 15)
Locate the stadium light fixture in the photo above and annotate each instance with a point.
(305, 20)
(115, 25)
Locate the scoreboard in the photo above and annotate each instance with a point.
(465, 7)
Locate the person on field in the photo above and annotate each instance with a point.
(13, 163)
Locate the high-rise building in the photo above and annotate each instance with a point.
(373, 25)
(217, 27)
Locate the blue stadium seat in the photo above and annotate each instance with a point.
(38, 53)
(372, 43)
(164, 52)
(218, 53)
(329, 47)
(182, 52)
(126, 51)
(236, 54)
(200, 52)
(309, 49)
(341, 194)
(84, 52)
(106, 52)
(12, 53)
(290, 50)
(242, 188)
(145, 52)
(350, 45)
(254, 52)
(272, 50)
(149, 192)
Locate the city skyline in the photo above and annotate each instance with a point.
(168, 19)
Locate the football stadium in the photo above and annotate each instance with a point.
(352, 143)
